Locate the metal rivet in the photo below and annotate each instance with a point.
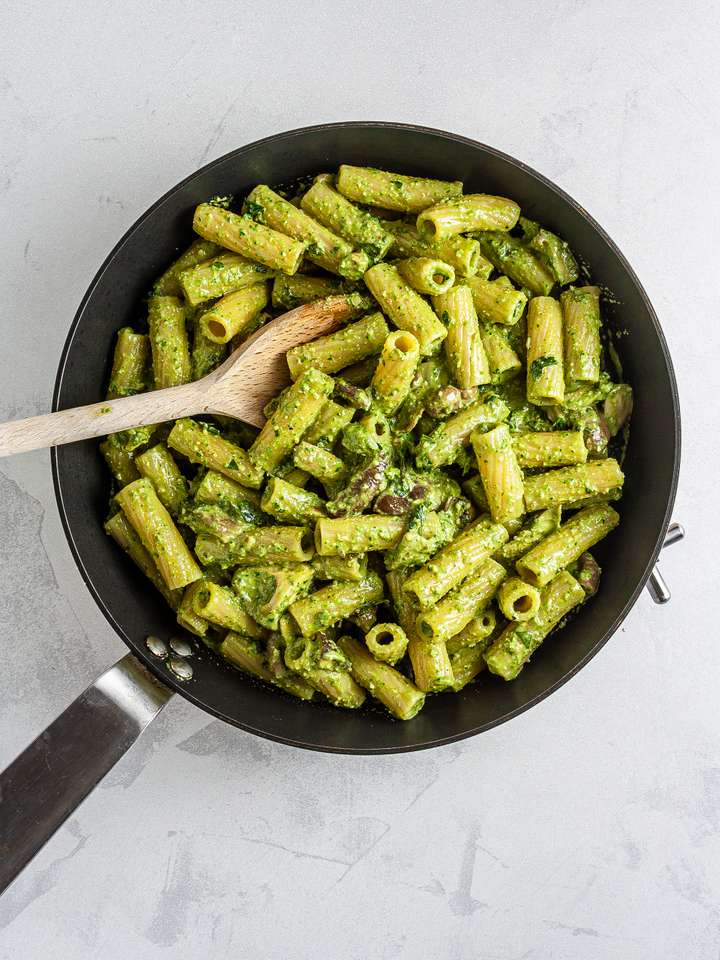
(157, 647)
(181, 646)
(181, 668)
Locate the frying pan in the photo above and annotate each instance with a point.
(42, 787)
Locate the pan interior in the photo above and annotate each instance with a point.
(115, 298)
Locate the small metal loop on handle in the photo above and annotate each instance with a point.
(51, 777)
(657, 587)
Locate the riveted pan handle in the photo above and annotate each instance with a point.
(51, 777)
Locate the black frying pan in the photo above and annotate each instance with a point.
(46, 782)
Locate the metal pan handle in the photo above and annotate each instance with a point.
(45, 784)
(656, 585)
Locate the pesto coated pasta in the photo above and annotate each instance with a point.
(417, 510)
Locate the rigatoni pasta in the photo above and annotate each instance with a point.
(219, 276)
(234, 314)
(405, 307)
(545, 366)
(478, 211)
(322, 247)
(158, 534)
(393, 191)
(464, 350)
(581, 319)
(500, 473)
(427, 275)
(395, 371)
(357, 226)
(251, 239)
(417, 509)
(169, 342)
(337, 350)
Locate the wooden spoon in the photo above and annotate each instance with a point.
(240, 387)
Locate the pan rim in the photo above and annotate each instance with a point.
(186, 691)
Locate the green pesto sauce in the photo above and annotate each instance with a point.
(259, 553)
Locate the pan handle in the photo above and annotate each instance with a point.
(656, 585)
(51, 777)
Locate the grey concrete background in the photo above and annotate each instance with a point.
(586, 829)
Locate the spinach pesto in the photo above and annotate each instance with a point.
(420, 504)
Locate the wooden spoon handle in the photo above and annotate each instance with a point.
(99, 419)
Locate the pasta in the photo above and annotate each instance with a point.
(464, 349)
(234, 314)
(417, 509)
(405, 307)
(427, 275)
(219, 276)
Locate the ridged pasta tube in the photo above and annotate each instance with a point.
(460, 253)
(405, 307)
(511, 257)
(572, 485)
(358, 227)
(518, 641)
(169, 283)
(401, 697)
(581, 318)
(497, 302)
(123, 533)
(472, 211)
(219, 276)
(219, 605)
(322, 246)
(130, 364)
(202, 444)
(427, 275)
(457, 608)
(393, 191)
(234, 314)
(394, 373)
(336, 602)
(339, 537)
(476, 633)
(545, 367)
(518, 600)
(445, 442)
(297, 409)
(561, 548)
(253, 240)
(169, 342)
(158, 466)
(337, 350)
(501, 475)
(158, 534)
(387, 642)
(454, 562)
(552, 448)
(428, 655)
(464, 348)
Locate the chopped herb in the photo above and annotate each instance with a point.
(538, 365)
(253, 209)
(397, 183)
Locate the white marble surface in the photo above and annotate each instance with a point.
(588, 827)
